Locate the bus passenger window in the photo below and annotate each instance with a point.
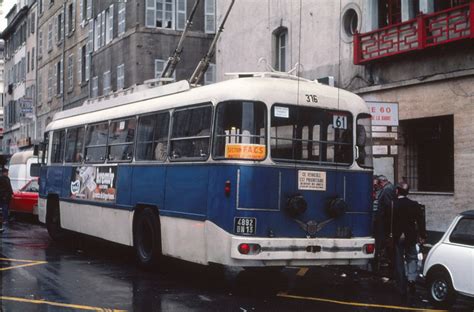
(120, 142)
(96, 140)
(74, 144)
(364, 140)
(240, 130)
(57, 153)
(190, 134)
(152, 137)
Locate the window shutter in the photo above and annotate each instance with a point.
(55, 29)
(66, 19)
(73, 17)
(55, 79)
(89, 9)
(61, 77)
(79, 65)
(111, 23)
(81, 8)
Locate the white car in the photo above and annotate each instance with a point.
(449, 266)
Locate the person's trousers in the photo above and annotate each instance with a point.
(405, 252)
(4, 206)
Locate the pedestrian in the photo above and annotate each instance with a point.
(408, 228)
(6, 193)
(384, 203)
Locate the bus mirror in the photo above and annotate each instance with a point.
(356, 152)
(36, 150)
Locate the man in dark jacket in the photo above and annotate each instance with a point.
(386, 195)
(408, 228)
(6, 193)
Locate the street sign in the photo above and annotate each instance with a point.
(383, 113)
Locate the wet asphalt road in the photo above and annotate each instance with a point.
(87, 274)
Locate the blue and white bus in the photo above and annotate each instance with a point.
(266, 169)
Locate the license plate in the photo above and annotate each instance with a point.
(245, 226)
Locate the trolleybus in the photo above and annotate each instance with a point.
(266, 169)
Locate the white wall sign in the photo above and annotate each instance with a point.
(383, 113)
(380, 149)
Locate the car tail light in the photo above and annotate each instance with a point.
(249, 249)
(227, 188)
(369, 248)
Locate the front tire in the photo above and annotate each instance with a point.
(147, 238)
(440, 289)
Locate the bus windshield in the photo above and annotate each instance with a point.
(311, 134)
(240, 130)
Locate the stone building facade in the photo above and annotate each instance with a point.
(90, 49)
(414, 54)
(20, 84)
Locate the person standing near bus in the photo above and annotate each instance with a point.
(384, 204)
(6, 193)
(409, 228)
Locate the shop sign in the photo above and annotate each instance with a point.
(383, 113)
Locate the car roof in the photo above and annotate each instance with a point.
(469, 213)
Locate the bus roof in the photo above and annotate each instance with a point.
(249, 87)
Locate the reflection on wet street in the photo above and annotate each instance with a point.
(86, 274)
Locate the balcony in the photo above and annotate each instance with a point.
(427, 30)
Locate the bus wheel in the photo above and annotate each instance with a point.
(147, 238)
(53, 220)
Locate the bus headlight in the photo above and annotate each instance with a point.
(296, 205)
(336, 207)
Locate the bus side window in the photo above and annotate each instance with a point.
(121, 138)
(152, 137)
(74, 144)
(191, 133)
(57, 153)
(96, 140)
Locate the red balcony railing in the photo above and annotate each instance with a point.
(426, 30)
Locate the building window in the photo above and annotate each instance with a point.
(121, 18)
(32, 23)
(120, 76)
(350, 22)
(83, 64)
(166, 13)
(71, 17)
(86, 10)
(281, 39)
(33, 58)
(59, 28)
(159, 65)
(210, 76)
(70, 72)
(95, 86)
(28, 62)
(109, 35)
(59, 78)
(440, 5)
(40, 6)
(106, 83)
(429, 144)
(390, 12)
(210, 16)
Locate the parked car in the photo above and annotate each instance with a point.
(25, 200)
(449, 266)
